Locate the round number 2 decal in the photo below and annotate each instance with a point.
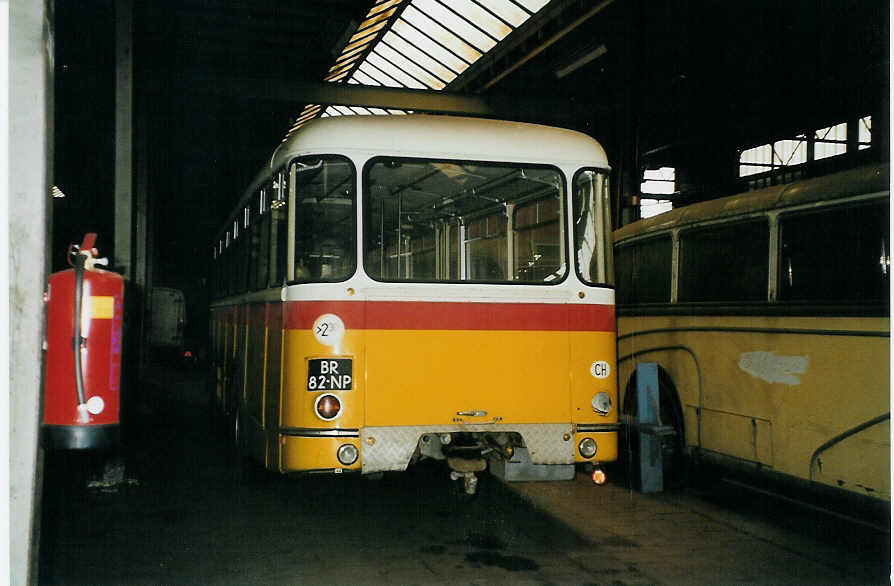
(329, 329)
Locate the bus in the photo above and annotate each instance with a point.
(767, 314)
(391, 289)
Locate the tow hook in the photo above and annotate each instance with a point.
(465, 468)
(470, 481)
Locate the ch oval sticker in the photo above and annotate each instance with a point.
(600, 369)
(329, 329)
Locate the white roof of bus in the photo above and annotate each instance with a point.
(450, 137)
(420, 135)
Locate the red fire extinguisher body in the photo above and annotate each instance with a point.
(86, 417)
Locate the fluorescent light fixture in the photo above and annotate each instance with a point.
(579, 62)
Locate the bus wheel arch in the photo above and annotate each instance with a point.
(673, 447)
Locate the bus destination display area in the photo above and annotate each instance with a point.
(449, 292)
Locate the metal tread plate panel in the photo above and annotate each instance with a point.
(390, 448)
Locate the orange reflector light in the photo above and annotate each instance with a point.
(187, 354)
(599, 476)
(328, 407)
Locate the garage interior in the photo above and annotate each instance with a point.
(147, 120)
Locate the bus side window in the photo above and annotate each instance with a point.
(537, 240)
(643, 271)
(729, 262)
(278, 238)
(839, 254)
(262, 234)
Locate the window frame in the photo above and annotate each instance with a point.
(461, 226)
(608, 241)
(292, 230)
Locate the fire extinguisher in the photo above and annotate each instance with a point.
(82, 381)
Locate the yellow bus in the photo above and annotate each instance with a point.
(767, 314)
(396, 288)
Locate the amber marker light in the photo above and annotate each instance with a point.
(327, 407)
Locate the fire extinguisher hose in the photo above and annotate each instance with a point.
(76, 338)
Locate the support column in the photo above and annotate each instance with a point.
(27, 31)
(123, 260)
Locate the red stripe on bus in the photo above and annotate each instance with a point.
(424, 315)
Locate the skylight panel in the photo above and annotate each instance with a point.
(416, 55)
(380, 62)
(381, 17)
(533, 5)
(427, 44)
(419, 44)
(481, 18)
(507, 10)
(336, 76)
(362, 78)
(453, 22)
(441, 35)
(378, 75)
(408, 66)
(383, 5)
(352, 54)
(363, 34)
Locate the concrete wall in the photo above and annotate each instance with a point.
(29, 33)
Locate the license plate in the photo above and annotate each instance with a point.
(329, 374)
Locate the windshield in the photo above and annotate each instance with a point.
(324, 218)
(432, 220)
(593, 228)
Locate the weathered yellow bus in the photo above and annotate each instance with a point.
(767, 314)
(394, 288)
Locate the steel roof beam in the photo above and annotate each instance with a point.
(343, 94)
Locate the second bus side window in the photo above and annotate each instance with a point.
(726, 263)
(842, 254)
(643, 271)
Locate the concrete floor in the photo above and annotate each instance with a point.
(171, 511)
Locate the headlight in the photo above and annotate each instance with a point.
(347, 454)
(602, 403)
(587, 447)
(327, 407)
